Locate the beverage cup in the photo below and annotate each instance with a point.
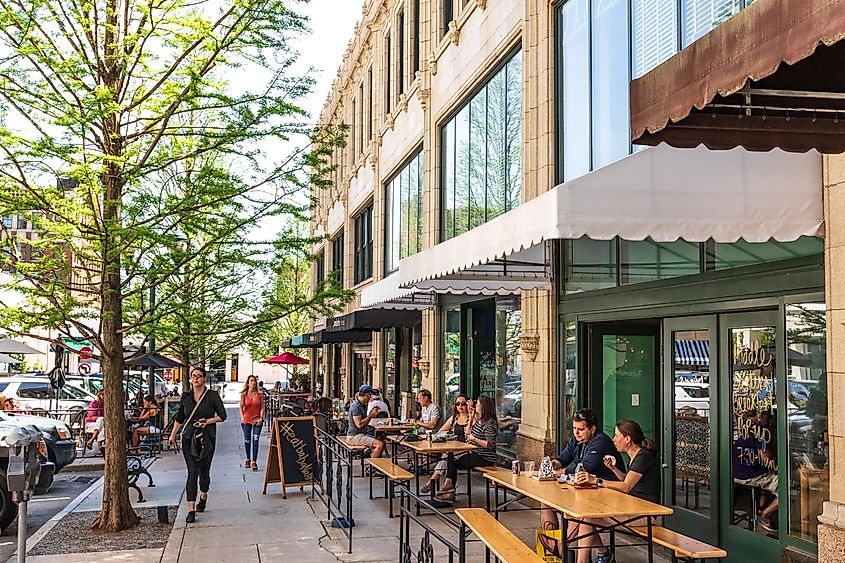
(528, 467)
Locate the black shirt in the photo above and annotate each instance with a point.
(648, 487)
(210, 406)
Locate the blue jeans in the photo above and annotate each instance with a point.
(252, 434)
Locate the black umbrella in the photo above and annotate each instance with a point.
(152, 361)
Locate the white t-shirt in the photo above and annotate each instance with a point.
(378, 403)
(431, 412)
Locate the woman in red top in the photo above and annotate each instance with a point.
(252, 416)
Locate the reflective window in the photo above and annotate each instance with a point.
(337, 258)
(404, 213)
(809, 455)
(321, 267)
(647, 260)
(741, 253)
(364, 245)
(575, 62)
(610, 82)
(482, 153)
(570, 385)
(655, 34)
(451, 383)
(691, 410)
(700, 16)
(754, 461)
(39, 391)
(508, 382)
(589, 264)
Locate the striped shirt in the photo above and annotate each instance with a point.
(488, 431)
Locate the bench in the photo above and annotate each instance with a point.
(354, 450)
(496, 537)
(392, 474)
(683, 548)
(135, 467)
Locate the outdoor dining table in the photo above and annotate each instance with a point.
(578, 505)
(390, 426)
(426, 448)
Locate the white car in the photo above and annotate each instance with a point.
(36, 393)
(693, 396)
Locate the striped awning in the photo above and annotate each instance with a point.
(692, 352)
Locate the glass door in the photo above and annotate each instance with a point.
(623, 368)
(690, 451)
(749, 435)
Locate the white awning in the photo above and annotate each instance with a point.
(662, 193)
(387, 294)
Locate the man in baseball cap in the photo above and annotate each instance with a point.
(359, 422)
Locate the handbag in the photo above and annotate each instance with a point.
(198, 448)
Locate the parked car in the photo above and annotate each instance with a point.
(693, 395)
(37, 393)
(61, 447)
(8, 508)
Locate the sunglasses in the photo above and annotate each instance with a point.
(461, 404)
(197, 376)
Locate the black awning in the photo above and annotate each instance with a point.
(320, 337)
(374, 319)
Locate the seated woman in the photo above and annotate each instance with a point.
(457, 424)
(147, 420)
(483, 433)
(7, 403)
(642, 480)
(94, 422)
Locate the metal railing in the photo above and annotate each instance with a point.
(428, 552)
(334, 473)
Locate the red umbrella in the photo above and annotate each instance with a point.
(286, 358)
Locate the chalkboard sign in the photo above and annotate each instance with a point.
(292, 455)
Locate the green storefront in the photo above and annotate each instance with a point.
(718, 351)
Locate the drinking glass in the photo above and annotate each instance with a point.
(528, 467)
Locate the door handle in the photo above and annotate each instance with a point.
(665, 465)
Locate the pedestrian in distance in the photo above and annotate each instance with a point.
(252, 416)
(200, 409)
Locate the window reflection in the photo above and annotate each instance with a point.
(809, 462)
(508, 372)
(451, 383)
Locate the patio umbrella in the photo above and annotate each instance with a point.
(9, 346)
(4, 359)
(152, 361)
(286, 358)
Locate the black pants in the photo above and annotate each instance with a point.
(466, 461)
(197, 471)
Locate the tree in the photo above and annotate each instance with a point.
(161, 115)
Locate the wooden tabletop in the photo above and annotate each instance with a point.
(392, 426)
(423, 446)
(577, 503)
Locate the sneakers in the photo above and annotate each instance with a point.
(606, 557)
(191, 518)
(201, 504)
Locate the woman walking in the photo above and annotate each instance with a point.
(252, 416)
(200, 410)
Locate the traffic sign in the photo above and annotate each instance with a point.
(84, 369)
(86, 352)
(168, 376)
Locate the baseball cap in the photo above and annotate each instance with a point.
(364, 389)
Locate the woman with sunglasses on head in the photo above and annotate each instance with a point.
(252, 416)
(200, 410)
(458, 424)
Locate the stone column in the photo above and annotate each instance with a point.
(832, 520)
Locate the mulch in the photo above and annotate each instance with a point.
(73, 534)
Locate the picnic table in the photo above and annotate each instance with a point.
(577, 505)
(390, 425)
(426, 448)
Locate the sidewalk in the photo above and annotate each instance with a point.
(241, 525)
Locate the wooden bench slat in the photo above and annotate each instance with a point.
(354, 447)
(390, 469)
(682, 545)
(501, 541)
(485, 468)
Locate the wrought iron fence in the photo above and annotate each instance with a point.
(334, 473)
(427, 552)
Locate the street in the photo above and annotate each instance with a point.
(66, 487)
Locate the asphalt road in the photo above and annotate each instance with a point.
(66, 487)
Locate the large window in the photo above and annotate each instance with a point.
(337, 258)
(321, 267)
(482, 153)
(599, 264)
(364, 245)
(404, 210)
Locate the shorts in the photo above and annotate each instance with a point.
(361, 440)
(766, 481)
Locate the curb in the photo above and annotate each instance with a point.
(33, 540)
(173, 549)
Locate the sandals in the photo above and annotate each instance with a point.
(255, 466)
(446, 496)
(427, 487)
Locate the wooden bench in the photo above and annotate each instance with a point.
(135, 467)
(683, 548)
(496, 538)
(392, 474)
